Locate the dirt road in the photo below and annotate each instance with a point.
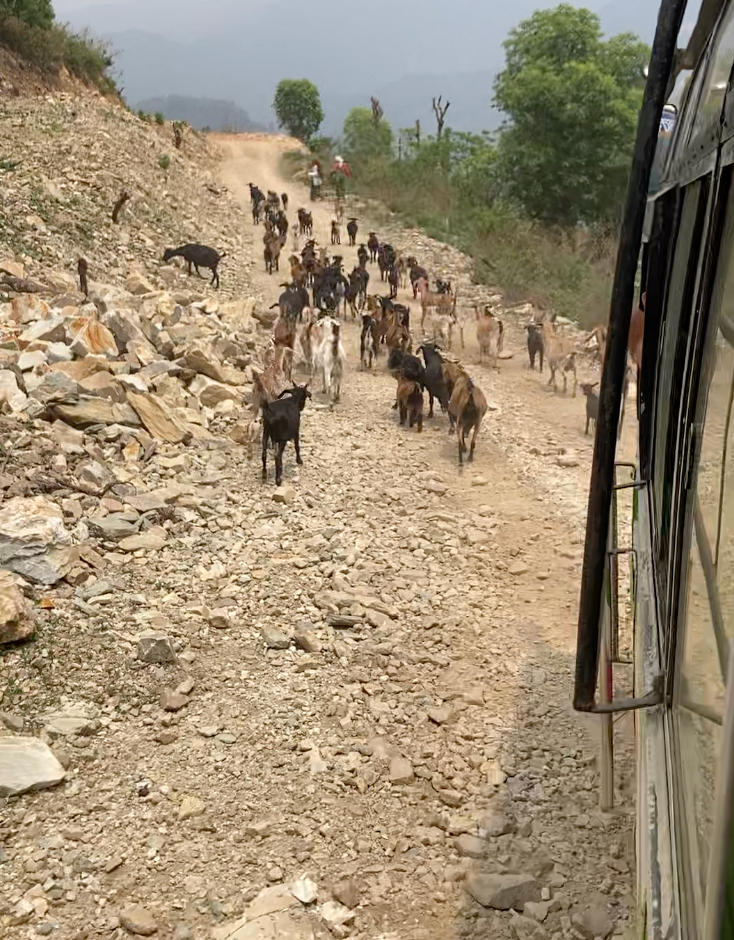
(491, 567)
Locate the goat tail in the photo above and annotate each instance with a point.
(223, 255)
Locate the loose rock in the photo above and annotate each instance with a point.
(27, 764)
(137, 920)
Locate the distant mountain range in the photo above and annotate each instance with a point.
(201, 113)
(404, 52)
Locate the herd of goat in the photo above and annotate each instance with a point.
(307, 332)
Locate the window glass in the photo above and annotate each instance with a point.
(700, 693)
(674, 341)
(714, 442)
(717, 76)
(684, 131)
(708, 609)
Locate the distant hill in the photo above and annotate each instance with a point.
(214, 113)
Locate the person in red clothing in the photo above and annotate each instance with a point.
(340, 169)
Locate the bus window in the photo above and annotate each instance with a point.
(717, 77)
(673, 346)
(707, 613)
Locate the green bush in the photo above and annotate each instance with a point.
(159, 119)
(50, 48)
(164, 161)
(33, 12)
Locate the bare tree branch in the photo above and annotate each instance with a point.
(440, 110)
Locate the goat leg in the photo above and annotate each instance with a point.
(279, 463)
(265, 455)
(430, 404)
(297, 445)
(198, 272)
(473, 441)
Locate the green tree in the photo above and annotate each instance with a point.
(572, 102)
(365, 139)
(297, 106)
(34, 12)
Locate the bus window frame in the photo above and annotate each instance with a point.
(700, 356)
(663, 548)
(660, 252)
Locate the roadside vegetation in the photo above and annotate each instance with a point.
(538, 203)
(29, 28)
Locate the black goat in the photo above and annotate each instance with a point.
(352, 229)
(393, 279)
(435, 380)
(305, 222)
(293, 300)
(592, 404)
(404, 365)
(373, 244)
(200, 256)
(363, 256)
(535, 344)
(282, 423)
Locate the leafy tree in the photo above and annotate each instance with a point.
(572, 102)
(474, 168)
(366, 139)
(297, 106)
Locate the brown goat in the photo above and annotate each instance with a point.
(467, 407)
(443, 303)
(559, 354)
(452, 371)
(284, 331)
(599, 333)
(273, 244)
(410, 403)
(274, 378)
(490, 331)
(398, 336)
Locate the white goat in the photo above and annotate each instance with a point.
(330, 358)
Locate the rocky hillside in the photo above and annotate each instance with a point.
(64, 162)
